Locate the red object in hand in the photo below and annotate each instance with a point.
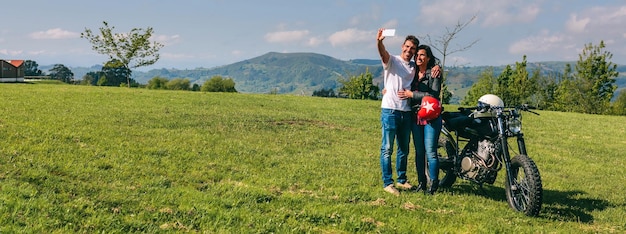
(429, 109)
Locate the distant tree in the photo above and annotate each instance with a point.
(91, 78)
(359, 87)
(178, 84)
(62, 73)
(546, 90)
(116, 73)
(568, 93)
(31, 68)
(157, 82)
(521, 86)
(592, 87)
(218, 84)
(484, 85)
(442, 44)
(324, 93)
(102, 80)
(619, 106)
(503, 82)
(133, 49)
(195, 87)
(594, 67)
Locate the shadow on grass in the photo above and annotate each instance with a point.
(570, 206)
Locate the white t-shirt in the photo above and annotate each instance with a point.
(397, 75)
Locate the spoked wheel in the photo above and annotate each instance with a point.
(446, 151)
(524, 191)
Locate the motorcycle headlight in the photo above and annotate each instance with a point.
(515, 126)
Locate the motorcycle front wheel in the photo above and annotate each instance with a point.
(524, 191)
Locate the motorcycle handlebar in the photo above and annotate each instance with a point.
(523, 107)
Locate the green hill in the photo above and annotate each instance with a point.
(295, 73)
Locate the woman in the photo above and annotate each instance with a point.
(425, 131)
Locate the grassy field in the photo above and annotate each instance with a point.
(117, 160)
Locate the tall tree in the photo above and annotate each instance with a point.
(133, 49)
(598, 73)
(442, 44)
(62, 73)
(590, 89)
(521, 86)
(31, 68)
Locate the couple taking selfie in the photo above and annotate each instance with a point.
(410, 107)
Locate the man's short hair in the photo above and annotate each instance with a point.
(412, 39)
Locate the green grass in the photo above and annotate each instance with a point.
(118, 160)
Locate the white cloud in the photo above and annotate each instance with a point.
(10, 52)
(286, 36)
(577, 25)
(509, 12)
(602, 20)
(349, 36)
(315, 41)
(55, 33)
(544, 42)
(595, 24)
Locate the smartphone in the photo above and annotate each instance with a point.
(389, 32)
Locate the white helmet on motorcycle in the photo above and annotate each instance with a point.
(491, 100)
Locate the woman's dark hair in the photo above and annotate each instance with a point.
(433, 60)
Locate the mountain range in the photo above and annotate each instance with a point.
(303, 73)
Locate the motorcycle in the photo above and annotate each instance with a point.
(485, 131)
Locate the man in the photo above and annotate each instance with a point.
(396, 112)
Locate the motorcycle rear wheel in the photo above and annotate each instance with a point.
(524, 193)
(446, 152)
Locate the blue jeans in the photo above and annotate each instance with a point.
(396, 125)
(425, 140)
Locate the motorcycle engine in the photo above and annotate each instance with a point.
(481, 165)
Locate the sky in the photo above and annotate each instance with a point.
(211, 33)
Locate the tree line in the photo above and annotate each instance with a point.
(114, 73)
(588, 87)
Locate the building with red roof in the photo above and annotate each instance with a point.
(11, 70)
